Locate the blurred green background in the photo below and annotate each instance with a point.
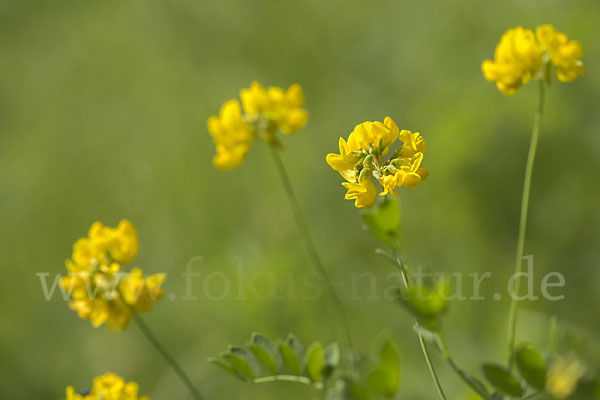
(103, 107)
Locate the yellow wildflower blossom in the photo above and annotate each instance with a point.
(364, 156)
(107, 387)
(349, 156)
(139, 291)
(563, 377)
(517, 60)
(265, 111)
(280, 107)
(232, 135)
(95, 282)
(564, 54)
(522, 56)
(364, 193)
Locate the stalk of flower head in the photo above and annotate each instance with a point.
(262, 114)
(522, 56)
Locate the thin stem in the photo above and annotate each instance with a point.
(310, 247)
(166, 355)
(288, 378)
(405, 279)
(553, 333)
(434, 376)
(512, 318)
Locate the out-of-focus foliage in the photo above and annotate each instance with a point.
(103, 109)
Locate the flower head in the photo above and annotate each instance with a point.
(517, 60)
(265, 111)
(363, 157)
(522, 56)
(99, 291)
(107, 387)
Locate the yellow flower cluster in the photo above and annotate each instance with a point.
(563, 377)
(107, 387)
(522, 55)
(265, 110)
(363, 157)
(98, 290)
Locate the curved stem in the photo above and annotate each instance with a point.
(406, 280)
(288, 378)
(166, 355)
(512, 318)
(310, 247)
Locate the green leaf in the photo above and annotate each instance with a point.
(266, 352)
(243, 361)
(314, 361)
(531, 365)
(384, 220)
(331, 356)
(225, 365)
(292, 352)
(502, 379)
(384, 380)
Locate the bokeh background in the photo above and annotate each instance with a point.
(103, 106)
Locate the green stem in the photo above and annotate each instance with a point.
(512, 319)
(166, 355)
(552, 334)
(288, 378)
(310, 247)
(406, 280)
(434, 376)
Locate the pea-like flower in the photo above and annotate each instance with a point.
(107, 387)
(99, 291)
(522, 56)
(263, 112)
(363, 157)
(232, 135)
(564, 54)
(563, 376)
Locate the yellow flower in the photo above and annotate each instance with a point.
(408, 175)
(364, 193)
(522, 55)
(363, 157)
(265, 111)
(518, 58)
(231, 134)
(375, 137)
(413, 144)
(95, 281)
(282, 108)
(564, 54)
(140, 292)
(123, 246)
(348, 158)
(563, 376)
(107, 387)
